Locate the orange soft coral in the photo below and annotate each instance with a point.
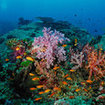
(96, 64)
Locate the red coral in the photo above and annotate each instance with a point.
(96, 64)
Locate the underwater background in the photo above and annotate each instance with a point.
(52, 52)
(87, 14)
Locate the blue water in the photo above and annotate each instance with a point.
(88, 14)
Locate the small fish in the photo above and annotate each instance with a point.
(52, 94)
(69, 86)
(66, 75)
(13, 74)
(39, 86)
(89, 81)
(37, 99)
(57, 67)
(43, 50)
(101, 49)
(75, 42)
(68, 78)
(83, 83)
(25, 53)
(47, 90)
(36, 78)
(30, 59)
(72, 70)
(17, 48)
(90, 87)
(42, 60)
(85, 90)
(71, 97)
(77, 90)
(102, 83)
(64, 45)
(31, 74)
(32, 88)
(41, 92)
(55, 72)
(65, 83)
(6, 60)
(57, 88)
(18, 57)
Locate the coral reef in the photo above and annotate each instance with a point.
(45, 20)
(1, 40)
(10, 37)
(22, 21)
(63, 67)
(50, 22)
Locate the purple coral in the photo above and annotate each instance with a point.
(46, 47)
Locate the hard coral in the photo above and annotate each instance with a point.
(46, 47)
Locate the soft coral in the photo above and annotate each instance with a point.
(93, 60)
(46, 47)
(96, 64)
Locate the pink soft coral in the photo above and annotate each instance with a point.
(46, 47)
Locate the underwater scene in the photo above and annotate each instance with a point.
(52, 52)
